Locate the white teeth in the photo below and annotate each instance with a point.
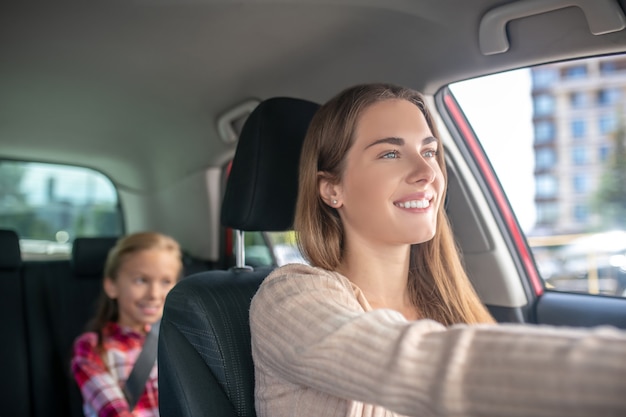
(414, 204)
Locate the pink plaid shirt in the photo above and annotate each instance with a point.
(101, 383)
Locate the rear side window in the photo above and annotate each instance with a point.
(272, 248)
(49, 205)
(556, 138)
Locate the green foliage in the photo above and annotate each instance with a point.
(11, 175)
(26, 224)
(287, 238)
(97, 220)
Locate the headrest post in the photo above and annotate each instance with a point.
(240, 249)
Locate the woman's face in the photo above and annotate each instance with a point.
(392, 184)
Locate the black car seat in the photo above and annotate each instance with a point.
(205, 361)
(89, 255)
(14, 389)
(61, 299)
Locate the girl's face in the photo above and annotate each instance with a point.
(392, 184)
(144, 279)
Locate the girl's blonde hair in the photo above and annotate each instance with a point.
(108, 308)
(438, 283)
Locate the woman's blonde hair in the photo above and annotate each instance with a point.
(108, 309)
(438, 283)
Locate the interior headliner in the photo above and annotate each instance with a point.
(113, 78)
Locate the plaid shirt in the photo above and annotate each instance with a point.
(101, 383)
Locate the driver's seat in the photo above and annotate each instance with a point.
(205, 359)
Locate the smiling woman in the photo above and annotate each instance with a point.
(339, 163)
(385, 314)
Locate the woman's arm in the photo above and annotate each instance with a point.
(308, 329)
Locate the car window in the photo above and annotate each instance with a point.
(50, 205)
(556, 138)
(271, 248)
(285, 248)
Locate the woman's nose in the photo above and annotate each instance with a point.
(421, 170)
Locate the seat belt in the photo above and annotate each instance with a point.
(136, 382)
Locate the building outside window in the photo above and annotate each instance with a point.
(544, 158)
(603, 152)
(581, 213)
(543, 105)
(612, 66)
(579, 155)
(608, 67)
(607, 124)
(545, 186)
(573, 72)
(544, 132)
(580, 183)
(578, 128)
(547, 213)
(609, 96)
(578, 99)
(544, 77)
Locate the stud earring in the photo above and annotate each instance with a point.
(334, 202)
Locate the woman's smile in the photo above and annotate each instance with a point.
(392, 162)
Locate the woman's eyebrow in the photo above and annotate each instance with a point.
(400, 141)
(391, 140)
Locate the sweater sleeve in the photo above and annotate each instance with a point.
(308, 329)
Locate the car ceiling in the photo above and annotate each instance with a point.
(134, 88)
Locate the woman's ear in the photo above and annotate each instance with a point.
(110, 288)
(329, 190)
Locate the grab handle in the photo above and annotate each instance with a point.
(603, 16)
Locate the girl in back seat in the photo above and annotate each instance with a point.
(140, 270)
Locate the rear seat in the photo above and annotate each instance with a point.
(60, 299)
(45, 305)
(88, 259)
(15, 396)
(42, 284)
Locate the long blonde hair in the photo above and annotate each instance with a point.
(438, 284)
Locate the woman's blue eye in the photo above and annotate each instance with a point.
(390, 155)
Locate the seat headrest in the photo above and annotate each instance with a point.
(89, 255)
(262, 187)
(10, 254)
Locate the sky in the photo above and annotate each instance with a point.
(499, 107)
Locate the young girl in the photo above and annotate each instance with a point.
(385, 321)
(140, 270)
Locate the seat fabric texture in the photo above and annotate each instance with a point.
(61, 298)
(205, 359)
(15, 386)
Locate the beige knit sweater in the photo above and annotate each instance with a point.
(320, 350)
